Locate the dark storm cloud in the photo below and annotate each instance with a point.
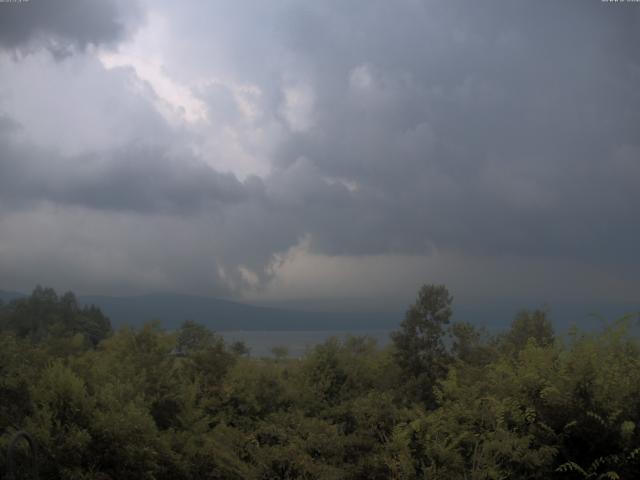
(134, 178)
(64, 24)
(490, 127)
(149, 179)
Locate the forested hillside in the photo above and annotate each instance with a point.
(445, 400)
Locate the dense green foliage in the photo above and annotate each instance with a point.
(444, 400)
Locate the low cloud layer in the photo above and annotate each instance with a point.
(205, 149)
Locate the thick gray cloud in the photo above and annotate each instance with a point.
(64, 25)
(133, 178)
(480, 129)
(487, 127)
(490, 128)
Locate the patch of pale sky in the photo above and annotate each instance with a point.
(350, 185)
(361, 78)
(298, 107)
(183, 105)
(246, 96)
(143, 53)
(222, 146)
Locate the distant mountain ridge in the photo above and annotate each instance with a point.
(226, 315)
(222, 315)
(7, 296)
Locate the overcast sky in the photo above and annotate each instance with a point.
(320, 150)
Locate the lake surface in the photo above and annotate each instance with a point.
(297, 342)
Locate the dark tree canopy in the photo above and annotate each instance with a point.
(512, 406)
(420, 349)
(529, 326)
(44, 314)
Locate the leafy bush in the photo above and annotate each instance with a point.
(150, 404)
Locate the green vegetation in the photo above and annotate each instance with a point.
(443, 401)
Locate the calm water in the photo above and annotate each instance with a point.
(298, 342)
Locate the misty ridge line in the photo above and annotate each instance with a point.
(171, 310)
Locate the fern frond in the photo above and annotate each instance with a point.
(597, 418)
(610, 476)
(572, 467)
